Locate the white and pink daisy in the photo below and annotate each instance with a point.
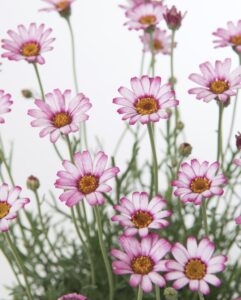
(147, 101)
(238, 220)
(28, 43)
(217, 81)
(85, 178)
(5, 103)
(72, 297)
(60, 114)
(195, 265)
(161, 42)
(144, 15)
(229, 37)
(139, 215)
(197, 181)
(10, 203)
(143, 260)
(61, 6)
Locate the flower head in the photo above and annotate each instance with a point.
(28, 43)
(85, 178)
(5, 103)
(60, 114)
(229, 37)
(238, 220)
(10, 203)
(143, 260)
(63, 7)
(144, 15)
(72, 297)
(197, 181)
(173, 18)
(138, 215)
(195, 265)
(161, 41)
(147, 101)
(217, 81)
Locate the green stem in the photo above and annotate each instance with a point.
(140, 293)
(220, 142)
(20, 265)
(69, 148)
(58, 152)
(204, 216)
(154, 156)
(142, 62)
(104, 253)
(39, 81)
(201, 297)
(152, 53)
(157, 290)
(172, 58)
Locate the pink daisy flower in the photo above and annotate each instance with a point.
(229, 37)
(217, 82)
(73, 297)
(197, 181)
(195, 265)
(85, 178)
(5, 103)
(143, 260)
(60, 114)
(138, 215)
(10, 203)
(61, 6)
(144, 15)
(147, 101)
(238, 220)
(28, 43)
(161, 42)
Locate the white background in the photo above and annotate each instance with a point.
(108, 56)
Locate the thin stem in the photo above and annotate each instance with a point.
(39, 81)
(152, 53)
(20, 265)
(157, 291)
(140, 293)
(201, 297)
(142, 62)
(104, 253)
(172, 58)
(220, 142)
(154, 156)
(69, 148)
(8, 170)
(204, 216)
(58, 152)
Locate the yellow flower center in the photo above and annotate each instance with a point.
(4, 209)
(236, 40)
(199, 185)
(142, 219)
(219, 86)
(88, 184)
(62, 5)
(142, 265)
(148, 20)
(146, 106)
(157, 44)
(195, 269)
(30, 49)
(61, 119)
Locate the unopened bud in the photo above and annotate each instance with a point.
(27, 93)
(185, 149)
(173, 18)
(238, 140)
(170, 293)
(180, 125)
(33, 183)
(174, 162)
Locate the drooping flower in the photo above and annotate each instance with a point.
(28, 43)
(197, 181)
(195, 265)
(217, 81)
(161, 42)
(173, 18)
(147, 101)
(138, 215)
(61, 6)
(85, 178)
(5, 103)
(10, 203)
(72, 297)
(60, 114)
(238, 220)
(142, 260)
(144, 15)
(229, 37)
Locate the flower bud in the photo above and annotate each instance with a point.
(185, 149)
(238, 141)
(173, 18)
(170, 293)
(180, 125)
(27, 93)
(33, 183)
